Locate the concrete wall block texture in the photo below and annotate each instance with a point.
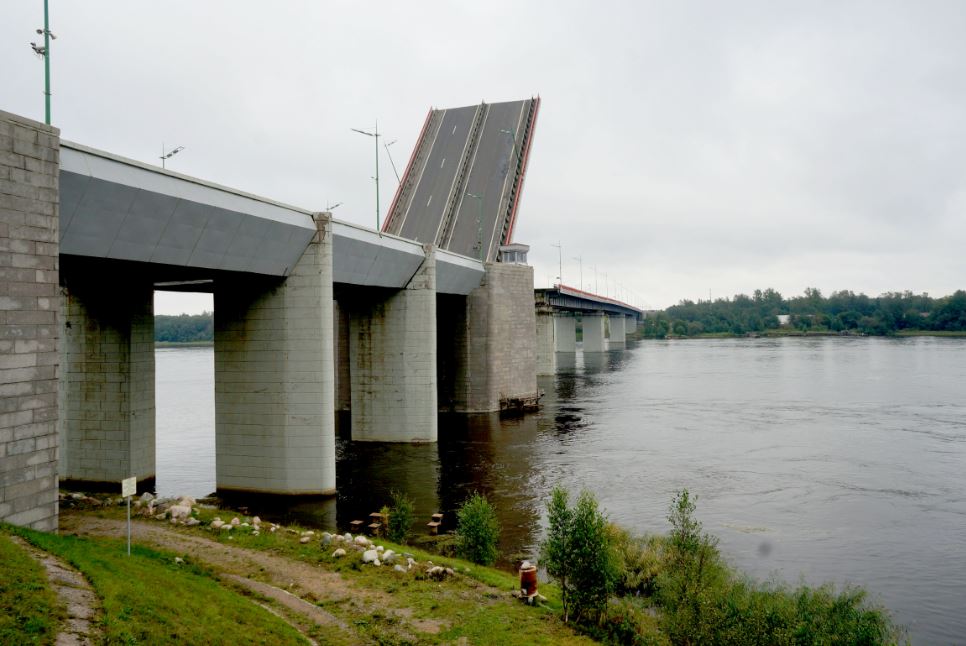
(29, 175)
(274, 381)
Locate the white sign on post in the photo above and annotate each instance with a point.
(129, 487)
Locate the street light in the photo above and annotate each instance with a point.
(375, 135)
(45, 52)
(171, 153)
(559, 262)
(479, 223)
(580, 261)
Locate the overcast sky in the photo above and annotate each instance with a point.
(682, 148)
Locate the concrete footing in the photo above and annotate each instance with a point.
(565, 332)
(274, 384)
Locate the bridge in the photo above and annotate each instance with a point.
(312, 316)
(605, 323)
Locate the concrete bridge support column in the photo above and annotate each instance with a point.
(618, 335)
(546, 342)
(274, 381)
(497, 366)
(29, 175)
(630, 325)
(594, 340)
(343, 385)
(565, 332)
(392, 351)
(107, 360)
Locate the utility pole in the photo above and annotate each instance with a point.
(559, 262)
(374, 134)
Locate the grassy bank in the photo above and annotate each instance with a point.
(29, 612)
(150, 599)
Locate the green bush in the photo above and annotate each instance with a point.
(579, 554)
(401, 517)
(478, 530)
(640, 560)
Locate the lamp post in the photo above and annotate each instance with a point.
(374, 134)
(479, 222)
(559, 262)
(45, 52)
(165, 156)
(580, 262)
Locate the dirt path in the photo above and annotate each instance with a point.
(296, 587)
(74, 592)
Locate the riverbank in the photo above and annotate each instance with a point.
(783, 333)
(283, 584)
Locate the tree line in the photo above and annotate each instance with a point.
(843, 312)
(184, 328)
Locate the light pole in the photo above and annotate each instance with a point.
(168, 155)
(375, 135)
(513, 141)
(559, 262)
(45, 52)
(479, 222)
(580, 262)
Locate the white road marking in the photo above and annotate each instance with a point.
(429, 200)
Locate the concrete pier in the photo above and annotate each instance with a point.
(630, 325)
(29, 175)
(107, 360)
(546, 342)
(618, 334)
(495, 349)
(274, 384)
(392, 356)
(594, 339)
(565, 331)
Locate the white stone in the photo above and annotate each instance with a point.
(377, 562)
(339, 552)
(388, 556)
(191, 522)
(217, 523)
(305, 539)
(370, 556)
(162, 515)
(361, 540)
(256, 520)
(235, 521)
(348, 537)
(244, 525)
(399, 568)
(179, 511)
(380, 548)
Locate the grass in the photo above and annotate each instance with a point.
(29, 611)
(149, 599)
(475, 605)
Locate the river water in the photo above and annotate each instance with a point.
(815, 459)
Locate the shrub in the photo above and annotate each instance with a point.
(640, 560)
(401, 517)
(579, 554)
(478, 530)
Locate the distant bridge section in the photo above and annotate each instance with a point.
(461, 189)
(605, 323)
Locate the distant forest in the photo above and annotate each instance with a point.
(186, 328)
(842, 312)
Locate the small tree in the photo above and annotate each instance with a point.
(478, 530)
(579, 554)
(401, 516)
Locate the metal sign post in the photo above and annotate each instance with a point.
(129, 487)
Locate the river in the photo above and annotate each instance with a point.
(815, 459)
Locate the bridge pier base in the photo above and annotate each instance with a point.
(274, 381)
(107, 398)
(594, 340)
(546, 342)
(618, 335)
(630, 325)
(392, 352)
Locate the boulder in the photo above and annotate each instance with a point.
(256, 521)
(305, 539)
(361, 540)
(191, 522)
(179, 511)
(235, 521)
(348, 537)
(326, 538)
(399, 568)
(388, 556)
(339, 552)
(217, 523)
(370, 556)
